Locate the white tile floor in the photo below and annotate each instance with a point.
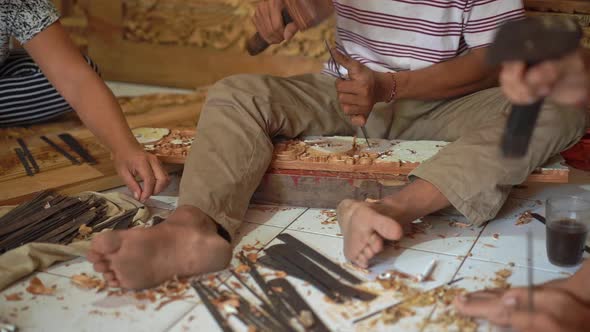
(470, 252)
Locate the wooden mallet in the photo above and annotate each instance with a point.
(304, 13)
(532, 40)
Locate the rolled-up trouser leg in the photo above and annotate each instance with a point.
(233, 146)
(471, 172)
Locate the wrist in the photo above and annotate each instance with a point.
(126, 148)
(386, 87)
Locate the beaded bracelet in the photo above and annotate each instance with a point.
(393, 92)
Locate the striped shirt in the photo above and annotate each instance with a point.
(397, 35)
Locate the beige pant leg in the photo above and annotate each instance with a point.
(470, 172)
(233, 146)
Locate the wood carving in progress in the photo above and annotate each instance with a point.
(339, 155)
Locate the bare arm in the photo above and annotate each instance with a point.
(74, 79)
(456, 77)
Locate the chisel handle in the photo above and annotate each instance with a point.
(256, 44)
(519, 129)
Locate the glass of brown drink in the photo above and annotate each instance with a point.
(568, 221)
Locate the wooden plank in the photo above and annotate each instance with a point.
(560, 6)
(49, 179)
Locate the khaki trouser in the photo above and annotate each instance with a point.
(233, 146)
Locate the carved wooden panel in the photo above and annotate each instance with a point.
(222, 25)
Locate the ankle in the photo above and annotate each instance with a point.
(188, 215)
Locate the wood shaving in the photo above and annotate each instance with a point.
(13, 297)
(524, 218)
(306, 318)
(87, 282)
(489, 245)
(331, 218)
(250, 247)
(355, 268)
(36, 287)
(242, 268)
(252, 257)
(500, 280)
(281, 274)
(278, 289)
(458, 224)
(85, 230)
(496, 236)
(395, 314)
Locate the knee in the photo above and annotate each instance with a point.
(564, 124)
(235, 85)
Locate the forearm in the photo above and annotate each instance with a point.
(82, 88)
(456, 77)
(577, 284)
(98, 109)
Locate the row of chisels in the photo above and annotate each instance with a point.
(32, 167)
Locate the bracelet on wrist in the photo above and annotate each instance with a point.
(393, 92)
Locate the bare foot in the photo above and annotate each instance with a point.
(365, 226)
(185, 244)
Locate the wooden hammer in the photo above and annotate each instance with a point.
(532, 40)
(304, 13)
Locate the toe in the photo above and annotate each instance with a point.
(101, 267)
(110, 277)
(362, 261)
(368, 253)
(376, 243)
(106, 243)
(94, 257)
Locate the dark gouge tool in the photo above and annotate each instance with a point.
(28, 154)
(77, 147)
(532, 40)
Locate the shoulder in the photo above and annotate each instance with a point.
(32, 17)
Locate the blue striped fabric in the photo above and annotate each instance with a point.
(26, 96)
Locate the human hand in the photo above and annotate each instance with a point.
(136, 162)
(268, 20)
(362, 90)
(555, 309)
(564, 81)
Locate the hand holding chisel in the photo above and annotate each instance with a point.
(362, 90)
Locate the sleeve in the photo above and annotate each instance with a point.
(482, 18)
(32, 17)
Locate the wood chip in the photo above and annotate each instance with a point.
(524, 218)
(14, 297)
(87, 282)
(36, 287)
(458, 224)
(242, 268)
(281, 274)
(252, 257)
(496, 236)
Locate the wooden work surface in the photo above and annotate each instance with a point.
(59, 173)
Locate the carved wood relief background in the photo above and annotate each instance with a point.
(222, 25)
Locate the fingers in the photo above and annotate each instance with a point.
(162, 178)
(358, 120)
(484, 304)
(269, 21)
(513, 84)
(130, 182)
(290, 31)
(351, 65)
(144, 170)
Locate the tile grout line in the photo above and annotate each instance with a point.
(428, 318)
(179, 320)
